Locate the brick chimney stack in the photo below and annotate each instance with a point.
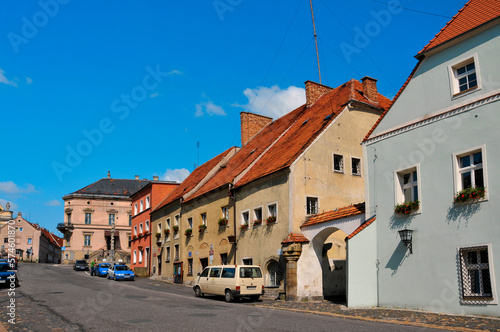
(251, 124)
(314, 91)
(370, 88)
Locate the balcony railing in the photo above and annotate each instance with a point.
(64, 227)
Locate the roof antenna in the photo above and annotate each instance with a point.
(315, 39)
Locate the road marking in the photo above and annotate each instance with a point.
(86, 272)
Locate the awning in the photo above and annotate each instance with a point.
(108, 233)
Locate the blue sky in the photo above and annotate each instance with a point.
(132, 86)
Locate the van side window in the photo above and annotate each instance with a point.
(205, 273)
(215, 272)
(228, 272)
(250, 272)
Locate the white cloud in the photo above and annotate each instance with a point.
(175, 71)
(29, 80)
(13, 206)
(4, 80)
(274, 102)
(154, 95)
(177, 175)
(209, 108)
(53, 202)
(12, 188)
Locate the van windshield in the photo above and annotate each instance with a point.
(250, 272)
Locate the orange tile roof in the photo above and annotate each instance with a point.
(343, 212)
(192, 180)
(295, 238)
(54, 239)
(360, 228)
(474, 14)
(306, 127)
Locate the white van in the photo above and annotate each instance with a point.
(232, 281)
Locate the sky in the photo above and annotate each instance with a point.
(133, 86)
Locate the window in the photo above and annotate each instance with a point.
(215, 272)
(135, 256)
(228, 272)
(272, 210)
(258, 213)
(135, 230)
(469, 170)
(142, 206)
(86, 241)
(274, 274)
(205, 272)
(147, 225)
(168, 223)
(407, 181)
(464, 76)
(5, 240)
(129, 240)
(244, 217)
(68, 217)
(88, 218)
(29, 241)
(356, 166)
(140, 256)
(167, 254)
(176, 252)
(190, 267)
(140, 228)
(225, 212)
(111, 218)
(247, 261)
(147, 202)
(177, 220)
(312, 205)
(475, 273)
(130, 220)
(159, 227)
(223, 259)
(204, 219)
(338, 163)
(190, 222)
(20, 229)
(135, 208)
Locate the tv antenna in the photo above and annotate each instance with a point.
(315, 40)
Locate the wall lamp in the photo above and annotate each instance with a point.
(406, 238)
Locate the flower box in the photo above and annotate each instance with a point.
(407, 207)
(188, 232)
(167, 232)
(175, 228)
(470, 194)
(134, 237)
(158, 235)
(271, 220)
(223, 222)
(202, 228)
(257, 222)
(140, 247)
(244, 227)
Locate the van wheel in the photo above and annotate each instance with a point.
(197, 292)
(228, 296)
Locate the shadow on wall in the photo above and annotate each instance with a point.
(462, 213)
(398, 257)
(397, 223)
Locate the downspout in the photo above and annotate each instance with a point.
(232, 195)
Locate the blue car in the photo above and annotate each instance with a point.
(120, 272)
(101, 270)
(7, 275)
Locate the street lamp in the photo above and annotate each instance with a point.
(406, 238)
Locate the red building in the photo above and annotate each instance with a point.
(141, 232)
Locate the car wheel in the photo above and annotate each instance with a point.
(115, 277)
(197, 292)
(228, 297)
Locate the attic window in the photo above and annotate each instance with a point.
(253, 151)
(328, 117)
(303, 123)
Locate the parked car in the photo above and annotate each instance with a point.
(81, 265)
(6, 273)
(120, 271)
(12, 261)
(232, 281)
(101, 269)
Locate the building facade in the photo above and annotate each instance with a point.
(430, 165)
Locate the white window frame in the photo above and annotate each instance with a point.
(243, 221)
(141, 204)
(85, 238)
(399, 196)
(203, 217)
(453, 76)
(135, 256)
(261, 213)
(167, 254)
(456, 168)
(135, 230)
(177, 253)
(109, 218)
(89, 214)
(147, 202)
(135, 209)
(146, 226)
(167, 223)
(177, 220)
(140, 256)
(269, 214)
(463, 278)
(140, 228)
(225, 212)
(307, 207)
(360, 167)
(158, 227)
(342, 166)
(30, 240)
(190, 222)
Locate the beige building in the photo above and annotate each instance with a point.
(5, 214)
(32, 242)
(92, 213)
(288, 170)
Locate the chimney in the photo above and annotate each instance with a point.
(251, 124)
(156, 178)
(370, 88)
(137, 177)
(314, 91)
(109, 174)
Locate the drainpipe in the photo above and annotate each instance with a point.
(232, 195)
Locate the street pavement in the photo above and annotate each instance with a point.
(56, 298)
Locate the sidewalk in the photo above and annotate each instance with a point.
(394, 316)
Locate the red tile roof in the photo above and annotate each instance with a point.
(193, 179)
(474, 14)
(360, 228)
(295, 238)
(343, 212)
(54, 239)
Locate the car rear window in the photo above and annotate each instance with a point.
(228, 272)
(215, 272)
(250, 272)
(81, 262)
